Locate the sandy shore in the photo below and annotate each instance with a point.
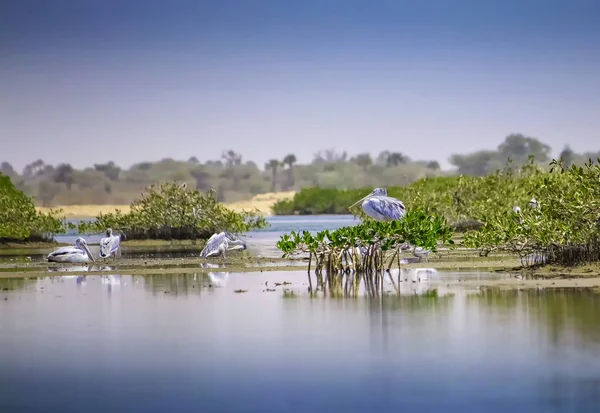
(261, 202)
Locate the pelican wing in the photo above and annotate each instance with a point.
(109, 245)
(385, 207)
(68, 250)
(212, 245)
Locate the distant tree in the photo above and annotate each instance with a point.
(273, 165)
(64, 174)
(110, 170)
(231, 158)
(518, 148)
(144, 166)
(382, 158)
(477, 164)
(395, 159)
(330, 156)
(202, 178)
(435, 165)
(47, 191)
(215, 164)
(108, 188)
(363, 160)
(193, 160)
(568, 156)
(290, 160)
(33, 169)
(8, 170)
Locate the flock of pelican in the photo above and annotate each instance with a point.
(376, 205)
(80, 252)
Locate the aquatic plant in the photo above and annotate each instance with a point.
(171, 211)
(19, 220)
(364, 250)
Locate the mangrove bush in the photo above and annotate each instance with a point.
(366, 249)
(19, 220)
(171, 211)
(564, 229)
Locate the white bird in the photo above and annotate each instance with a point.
(421, 252)
(72, 253)
(534, 203)
(221, 242)
(381, 207)
(110, 245)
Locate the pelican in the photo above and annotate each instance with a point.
(73, 253)
(218, 243)
(381, 207)
(110, 245)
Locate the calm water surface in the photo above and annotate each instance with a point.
(190, 343)
(178, 343)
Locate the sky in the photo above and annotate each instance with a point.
(86, 82)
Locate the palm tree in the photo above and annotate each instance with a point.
(273, 164)
(289, 160)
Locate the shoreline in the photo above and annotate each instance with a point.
(261, 202)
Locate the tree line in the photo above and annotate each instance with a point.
(234, 178)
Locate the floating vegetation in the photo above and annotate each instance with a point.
(170, 211)
(19, 220)
(344, 258)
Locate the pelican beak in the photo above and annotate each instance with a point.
(358, 202)
(89, 253)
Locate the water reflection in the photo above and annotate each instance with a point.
(218, 279)
(179, 343)
(81, 268)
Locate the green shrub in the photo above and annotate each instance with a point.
(167, 212)
(19, 220)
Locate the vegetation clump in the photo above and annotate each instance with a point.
(171, 211)
(364, 251)
(19, 220)
(563, 230)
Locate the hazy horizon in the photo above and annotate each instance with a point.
(137, 81)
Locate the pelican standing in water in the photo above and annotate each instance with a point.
(73, 253)
(381, 207)
(110, 245)
(221, 242)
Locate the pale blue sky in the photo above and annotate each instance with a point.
(129, 81)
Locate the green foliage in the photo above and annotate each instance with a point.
(19, 220)
(564, 230)
(456, 198)
(171, 211)
(418, 227)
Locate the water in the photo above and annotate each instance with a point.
(260, 242)
(172, 343)
(278, 225)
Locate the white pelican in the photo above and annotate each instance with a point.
(219, 243)
(381, 207)
(110, 245)
(73, 253)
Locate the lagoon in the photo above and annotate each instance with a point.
(189, 342)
